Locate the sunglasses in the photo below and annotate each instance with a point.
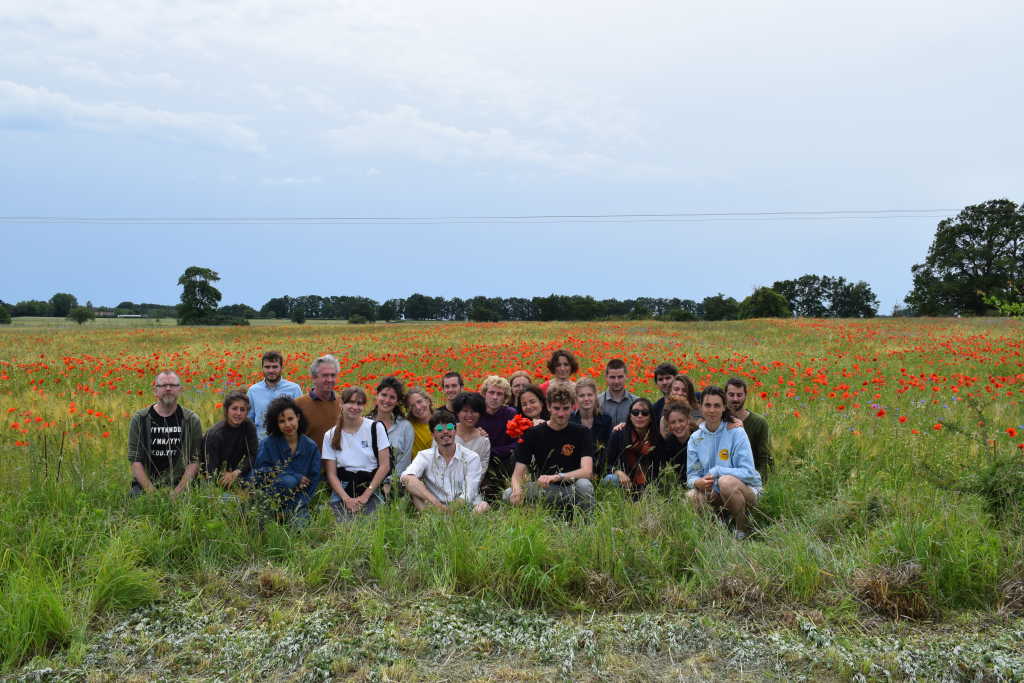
(639, 411)
(444, 428)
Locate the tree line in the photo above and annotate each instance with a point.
(974, 266)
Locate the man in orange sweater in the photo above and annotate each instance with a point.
(320, 405)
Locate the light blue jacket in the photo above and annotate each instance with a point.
(723, 451)
(260, 396)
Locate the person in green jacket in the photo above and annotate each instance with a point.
(754, 425)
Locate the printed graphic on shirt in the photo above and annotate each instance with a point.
(724, 454)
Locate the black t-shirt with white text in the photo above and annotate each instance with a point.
(164, 441)
(548, 451)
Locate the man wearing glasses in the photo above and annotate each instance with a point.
(560, 454)
(446, 474)
(164, 440)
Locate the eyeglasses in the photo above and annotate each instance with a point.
(444, 428)
(167, 386)
(637, 412)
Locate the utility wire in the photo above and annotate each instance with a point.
(681, 217)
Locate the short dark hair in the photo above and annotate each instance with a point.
(665, 369)
(574, 364)
(442, 416)
(395, 384)
(273, 357)
(536, 391)
(274, 410)
(234, 397)
(736, 382)
(676, 407)
(561, 395)
(449, 375)
(615, 364)
(720, 393)
(469, 399)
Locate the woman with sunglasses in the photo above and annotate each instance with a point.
(357, 457)
(635, 453)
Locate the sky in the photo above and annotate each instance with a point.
(443, 111)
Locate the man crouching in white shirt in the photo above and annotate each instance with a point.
(446, 475)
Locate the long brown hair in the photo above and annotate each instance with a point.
(346, 394)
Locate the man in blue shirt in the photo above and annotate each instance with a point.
(272, 386)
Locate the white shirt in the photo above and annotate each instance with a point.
(449, 481)
(356, 453)
(481, 445)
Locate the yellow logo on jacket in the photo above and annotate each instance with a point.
(724, 454)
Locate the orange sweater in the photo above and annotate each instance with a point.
(322, 415)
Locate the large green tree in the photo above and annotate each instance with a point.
(765, 302)
(824, 296)
(977, 254)
(720, 307)
(61, 304)
(199, 298)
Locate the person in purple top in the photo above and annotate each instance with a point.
(493, 420)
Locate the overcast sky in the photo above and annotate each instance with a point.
(429, 109)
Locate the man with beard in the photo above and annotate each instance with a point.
(164, 440)
(451, 386)
(754, 425)
(262, 393)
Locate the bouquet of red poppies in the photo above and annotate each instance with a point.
(516, 426)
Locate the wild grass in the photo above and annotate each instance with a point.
(859, 519)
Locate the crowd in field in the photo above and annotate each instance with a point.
(513, 441)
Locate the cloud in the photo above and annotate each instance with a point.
(405, 132)
(23, 106)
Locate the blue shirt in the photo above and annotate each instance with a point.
(260, 396)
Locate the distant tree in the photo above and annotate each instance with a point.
(720, 307)
(979, 253)
(765, 302)
(238, 311)
(61, 304)
(199, 298)
(5, 314)
(420, 307)
(392, 309)
(298, 315)
(357, 319)
(518, 308)
(127, 305)
(483, 310)
(32, 307)
(81, 314)
(824, 296)
(852, 300)
(278, 307)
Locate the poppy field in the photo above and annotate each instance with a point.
(896, 509)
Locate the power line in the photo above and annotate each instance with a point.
(650, 217)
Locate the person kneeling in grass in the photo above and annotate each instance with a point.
(446, 474)
(720, 465)
(561, 456)
(288, 463)
(357, 457)
(230, 446)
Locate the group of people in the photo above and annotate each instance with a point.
(512, 441)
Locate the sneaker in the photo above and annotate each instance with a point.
(739, 535)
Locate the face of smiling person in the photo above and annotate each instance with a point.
(679, 424)
(288, 422)
(353, 407)
(451, 387)
(468, 417)
(445, 437)
(387, 399)
(419, 407)
(325, 378)
(642, 420)
(530, 405)
(563, 368)
(237, 412)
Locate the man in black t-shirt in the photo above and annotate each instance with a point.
(164, 440)
(560, 455)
